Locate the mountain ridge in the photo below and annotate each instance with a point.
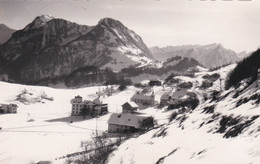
(5, 33)
(210, 56)
(49, 47)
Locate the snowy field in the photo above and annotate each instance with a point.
(42, 129)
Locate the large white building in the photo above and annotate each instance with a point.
(86, 107)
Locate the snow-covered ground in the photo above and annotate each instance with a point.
(192, 137)
(42, 129)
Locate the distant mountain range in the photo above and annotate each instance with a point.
(50, 49)
(209, 56)
(5, 33)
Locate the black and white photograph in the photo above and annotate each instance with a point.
(129, 81)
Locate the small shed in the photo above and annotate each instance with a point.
(129, 107)
(155, 83)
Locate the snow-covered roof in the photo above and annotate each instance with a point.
(126, 119)
(179, 94)
(132, 104)
(165, 96)
(97, 100)
(89, 103)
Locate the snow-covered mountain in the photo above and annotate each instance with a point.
(5, 33)
(49, 48)
(210, 56)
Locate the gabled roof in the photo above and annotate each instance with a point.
(97, 107)
(90, 103)
(165, 96)
(142, 97)
(132, 104)
(179, 94)
(97, 100)
(126, 119)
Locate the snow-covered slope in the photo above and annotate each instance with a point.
(228, 133)
(224, 128)
(41, 130)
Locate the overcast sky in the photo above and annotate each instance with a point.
(235, 24)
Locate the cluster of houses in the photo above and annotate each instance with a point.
(129, 120)
(8, 108)
(87, 107)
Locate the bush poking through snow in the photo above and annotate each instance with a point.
(147, 123)
(232, 127)
(30, 98)
(173, 116)
(237, 129)
(161, 133)
(226, 122)
(209, 109)
(43, 95)
(255, 97)
(95, 151)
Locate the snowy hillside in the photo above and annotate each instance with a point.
(224, 128)
(219, 130)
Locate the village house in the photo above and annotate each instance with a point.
(129, 107)
(88, 108)
(155, 83)
(176, 97)
(165, 98)
(124, 122)
(143, 101)
(8, 108)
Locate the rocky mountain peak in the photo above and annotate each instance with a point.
(109, 22)
(38, 22)
(49, 48)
